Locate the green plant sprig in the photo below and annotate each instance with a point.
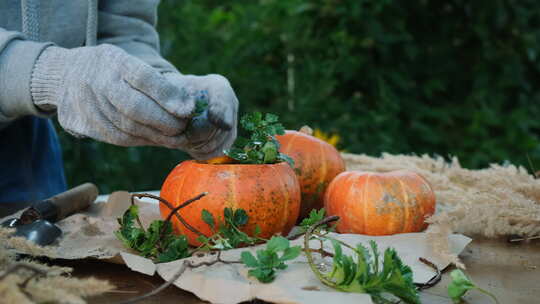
(227, 233)
(157, 243)
(314, 217)
(460, 284)
(365, 271)
(261, 147)
(268, 261)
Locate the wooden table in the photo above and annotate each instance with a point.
(510, 271)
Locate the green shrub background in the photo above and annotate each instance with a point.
(439, 77)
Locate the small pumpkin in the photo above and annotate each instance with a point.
(269, 193)
(316, 164)
(380, 203)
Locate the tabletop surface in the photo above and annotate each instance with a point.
(510, 271)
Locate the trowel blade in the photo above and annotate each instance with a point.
(40, 232)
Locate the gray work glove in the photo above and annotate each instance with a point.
(104, 93)
(213, 130)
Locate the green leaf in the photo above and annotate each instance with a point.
(151, 238)
(257, 230)
(286, 158)
(262, 146)
(248, 259)
(277, 243)
(271, 118)
(177, 249)
(228, 234)
(129, 217)
(267, 258)
(291, 253)
(263, 275)
(236, 153)
(127, 233)
(459, 285)
(228, 214)
(240, 217)
(208, 218)
(270, 152)
(202, 239)
(363, 264)
(314, 217)
(251, 121)
(375, 251)
(200, 106)
(267, 261)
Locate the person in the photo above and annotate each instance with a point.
(97, 67)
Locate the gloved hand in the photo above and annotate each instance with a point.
(104, 93)
(213, 130)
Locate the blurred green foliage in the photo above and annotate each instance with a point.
(439, 77)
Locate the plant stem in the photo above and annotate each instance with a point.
(488, 293)
(308, 250)
(339, 241)
(137, 217)
(175, 277)
(185, 265)
(175, 209)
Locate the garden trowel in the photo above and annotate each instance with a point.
(36, 223)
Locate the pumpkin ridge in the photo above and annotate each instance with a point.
(406, 216)
(201, 205)
(338, 209)
(421, 204)
(364, 204)
(422, 210)
(177, 192)
(290, 143)
(383, 206)
(351, 196)
(286, 200)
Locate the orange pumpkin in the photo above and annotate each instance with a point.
(270, 194)
(316, 164)
(380, 203)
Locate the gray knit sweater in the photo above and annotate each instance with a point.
(29, 26)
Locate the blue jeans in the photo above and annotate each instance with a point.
(31, 166)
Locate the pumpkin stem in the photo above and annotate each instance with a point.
(306, 130)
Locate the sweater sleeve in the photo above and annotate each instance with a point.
(17, 58)
(130, 25)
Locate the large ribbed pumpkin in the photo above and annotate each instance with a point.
(270, 194)
(316, 164)
(380, 203)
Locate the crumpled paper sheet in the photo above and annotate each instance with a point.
(230, 283)
(90, 234)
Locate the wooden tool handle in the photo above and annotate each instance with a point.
(74, 200)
